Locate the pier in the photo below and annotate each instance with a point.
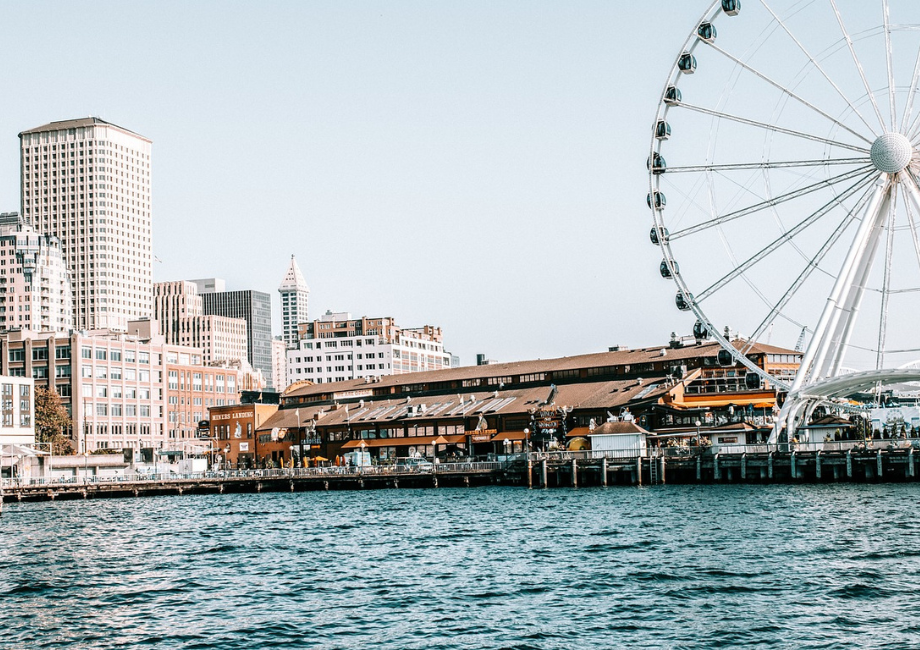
(753, 464)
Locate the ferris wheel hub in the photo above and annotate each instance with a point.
(891, 152)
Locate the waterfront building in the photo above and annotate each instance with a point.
(233, 435)
(17, 411)
(254, 307)
(87, 182)
(338, 347)
(504, 407)
(178, 309)
(279, 364)
(121, 390)
(294, 296)
(35, 288)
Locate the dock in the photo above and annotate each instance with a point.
(756, 465)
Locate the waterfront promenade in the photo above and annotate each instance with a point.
(847, 461)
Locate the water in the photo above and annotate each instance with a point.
(665, 567)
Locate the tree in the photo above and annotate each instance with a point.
(51, 419)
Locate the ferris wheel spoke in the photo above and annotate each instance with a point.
(888, 55)
(909, 108)
(768, 165)
(909, 189)
(859, 68)
(768, 203)
(886, 282)
(771, 127)
(910, 220)
(812, 265)
(787, 236)
(818, 67)
(785, 90)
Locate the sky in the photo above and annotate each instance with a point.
(478, 166)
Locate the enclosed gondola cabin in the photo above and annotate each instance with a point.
(682, 303)
(686, 63)
(665, 270)
(700, 331)
(662, 130)
(656, 200)
(656, 163)
(658, 235)
(706, 32)
(752, 380)
(672, 95)
(725, 358)
(731, 7)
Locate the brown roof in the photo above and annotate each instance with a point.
(595, 395)
(289, 418)
(609, 428)
(600, 359)
(72, 124)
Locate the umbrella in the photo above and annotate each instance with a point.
(321, 459)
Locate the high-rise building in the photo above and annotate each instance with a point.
(255, 307)
(87, 182)
(294, 295)
(35, 291)
(279, 364)
(177, 307)
(338, 347)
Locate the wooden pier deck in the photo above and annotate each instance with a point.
(536, 470)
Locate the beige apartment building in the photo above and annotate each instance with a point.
(87, 182)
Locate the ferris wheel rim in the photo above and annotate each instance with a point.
(864, 174)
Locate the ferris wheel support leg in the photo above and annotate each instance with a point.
(822, 340)
(854, 299)
(913, 192)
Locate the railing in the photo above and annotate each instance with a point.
(423, 467)
(591, 454)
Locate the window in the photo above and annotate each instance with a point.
(86, 353)
(39, 354)
(102, 409)
(115, 373)
(115, 355)
(100, 354)
(62, 352)
(17, 355)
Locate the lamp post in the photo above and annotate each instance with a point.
(526, 449)
(698, 424)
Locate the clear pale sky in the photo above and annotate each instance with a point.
(478, 166)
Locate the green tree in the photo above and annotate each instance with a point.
(51, 419)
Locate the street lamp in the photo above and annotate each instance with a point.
(698, 424)
(526, 440)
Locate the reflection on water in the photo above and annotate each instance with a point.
(676, 566)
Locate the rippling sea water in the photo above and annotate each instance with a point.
(663, 567)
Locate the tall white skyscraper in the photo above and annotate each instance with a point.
(294, 295)
(87, 182)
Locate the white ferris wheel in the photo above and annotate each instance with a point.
(783, 182)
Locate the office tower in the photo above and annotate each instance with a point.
(294, 294)
(255, 307)
(87, 182)
(177, 308)
(35, 291)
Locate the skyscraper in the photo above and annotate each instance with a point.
(255, 307)
(87, 182)
(294, 294)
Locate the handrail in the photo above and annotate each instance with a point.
(241, 474)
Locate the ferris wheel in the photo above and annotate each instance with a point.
(783, 183)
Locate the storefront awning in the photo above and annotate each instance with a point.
(734, 400)
(509, 435)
